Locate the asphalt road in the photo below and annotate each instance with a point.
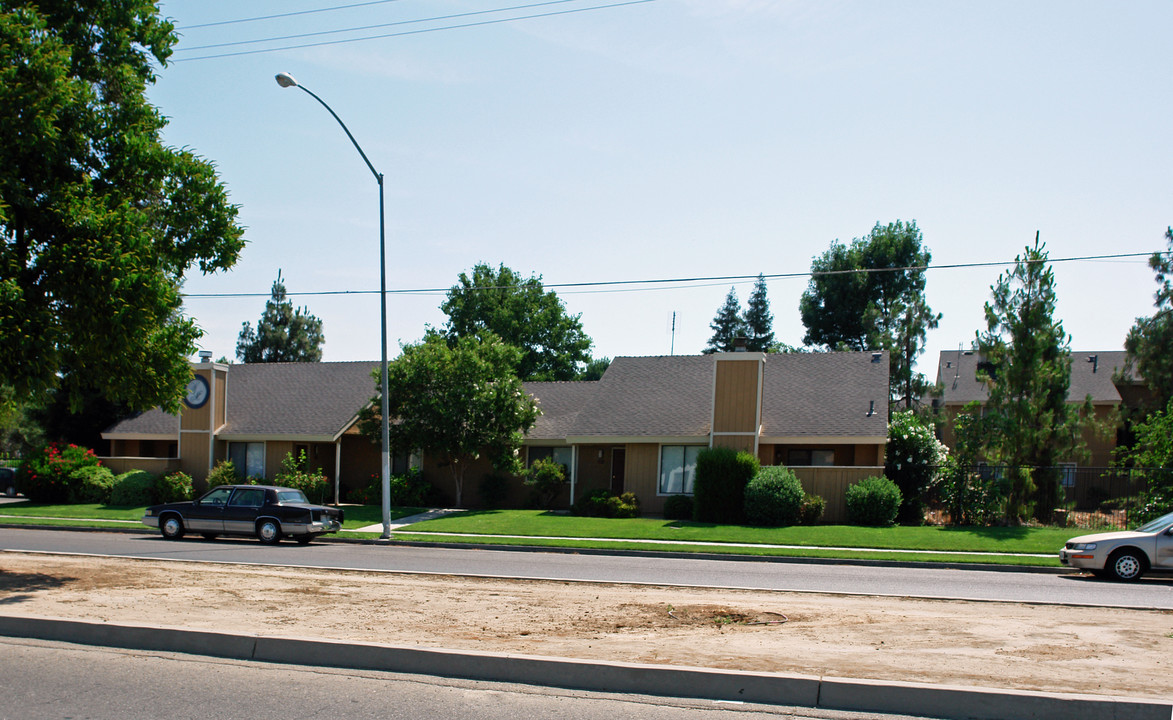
(45, 680)
(1040, 587)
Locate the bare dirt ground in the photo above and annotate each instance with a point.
(1004, 645)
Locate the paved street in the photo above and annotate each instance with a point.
(1151, 592)
(55, 680)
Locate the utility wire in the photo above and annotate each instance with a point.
(319, 33)
(414, 32)
(287, 14)
(693, 281)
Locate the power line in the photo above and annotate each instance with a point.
(689, 282)
(415, 32)
(287, 14)
(372, 27)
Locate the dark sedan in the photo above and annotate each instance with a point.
(265, 511)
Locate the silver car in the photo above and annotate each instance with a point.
(1123, 555)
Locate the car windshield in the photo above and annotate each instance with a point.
(291, 496)
(1153, 526)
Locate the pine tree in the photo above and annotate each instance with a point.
(727, 326)
(283, 334)
(759, 321)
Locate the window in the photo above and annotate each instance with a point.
(249, 458)
(806, 458)
(678, 468)
(563, 455)
(249, 497)
(1067, 474)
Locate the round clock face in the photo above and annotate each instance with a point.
(197, 392)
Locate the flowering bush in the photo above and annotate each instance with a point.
(46, 476)
(295, 473)
(913, 458)
(173, 488)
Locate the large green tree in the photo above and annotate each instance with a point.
(1150, 341)
(456, 402)
(522, 313)
(870, 295)
(727, 325)
(1026, 365)
(759, 321)
(99, 220)
(283, 334)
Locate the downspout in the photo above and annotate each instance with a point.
(573, 470)
(337, 467)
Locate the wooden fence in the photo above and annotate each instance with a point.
(831, 483)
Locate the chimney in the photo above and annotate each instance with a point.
(205, 357)
(739, 344)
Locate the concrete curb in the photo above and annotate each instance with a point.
(827, 693)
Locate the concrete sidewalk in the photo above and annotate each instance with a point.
(828, 693)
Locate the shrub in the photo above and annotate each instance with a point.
(678, 507)
(224, 474)
(719, 485)
(773, 497)
(44, 476)
(91, 484)
(173, 488)
(604, 503)
(546, 478)
(294, 474)
(913, 458)
(136, 487)
(493, 489)
(407, 490)
(873, 501)
(812, 509)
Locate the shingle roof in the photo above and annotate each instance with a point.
(957, 373)
(299, 399)
(825, 394)
(815, 394)
(302, 400)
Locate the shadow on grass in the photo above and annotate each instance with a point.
(991, 533)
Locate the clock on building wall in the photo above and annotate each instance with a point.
(197, 392)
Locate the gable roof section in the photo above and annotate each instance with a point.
(153, 424)
(560, 403)
(649, 397)
(306, 401)
(957, 373)
(826, 395)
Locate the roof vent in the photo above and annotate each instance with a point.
(876, 357)
(1095, 361)
(205, 356)
(871, 407)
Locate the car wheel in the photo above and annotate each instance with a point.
(269, 532)
(1126, 565)
(209, 536)
(10, 491)
(304, 539)
(171, 527)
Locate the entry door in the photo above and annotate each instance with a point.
(618, 466)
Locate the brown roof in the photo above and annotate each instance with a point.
(804, 394)
(1091, 374)
(152, 423)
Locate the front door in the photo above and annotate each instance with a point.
(618, 468)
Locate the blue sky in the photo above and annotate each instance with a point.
(679, 139)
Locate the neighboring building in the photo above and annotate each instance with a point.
(1093, 374)
(638, 429)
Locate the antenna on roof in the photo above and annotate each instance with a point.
(672, 344)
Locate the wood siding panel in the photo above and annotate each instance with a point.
(740, 443)
(831, 484)
(735, 397)
(642, 476)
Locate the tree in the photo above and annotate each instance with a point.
(456, 401)
(727, 326)
(283, 334)
(912, 460)
(759, 321)
(1154, 450)
(595, 369)
(1150, 341)
(870, 296)
(1026, 365)
(523, 314)
(99, 219)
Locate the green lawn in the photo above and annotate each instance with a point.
(964, 539)
(549, 529)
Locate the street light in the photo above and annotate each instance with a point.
(286, 80)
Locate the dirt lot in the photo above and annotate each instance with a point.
(1095, 651)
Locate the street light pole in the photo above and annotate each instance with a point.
(286, 80)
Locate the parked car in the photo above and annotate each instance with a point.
(266, 511)
(8, 482)
(1123, 555)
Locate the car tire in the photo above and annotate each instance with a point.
(304, 539)
(269, 532)
(10, 491)
(171, 527)
(1126, 565)
(209, 536)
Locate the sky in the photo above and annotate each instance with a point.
(674, 140)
